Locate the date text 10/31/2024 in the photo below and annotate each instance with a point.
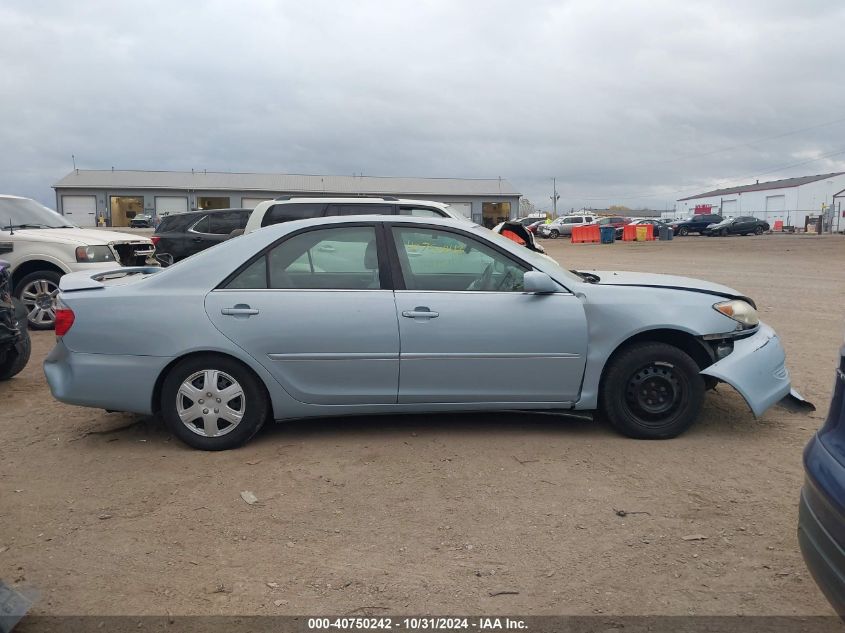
(416, 624)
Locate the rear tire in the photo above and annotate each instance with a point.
(651, 391)
(213, 403)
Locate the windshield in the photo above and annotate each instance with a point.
(25, 213)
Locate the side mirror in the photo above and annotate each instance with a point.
(165, 259)
(539, 283)
(235, 233)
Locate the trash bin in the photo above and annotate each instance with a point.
(666, 233)
(608, 234)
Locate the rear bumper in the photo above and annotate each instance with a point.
(756, 369)
(821, 524)
(105, 381)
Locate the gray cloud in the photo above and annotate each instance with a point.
(623, 102)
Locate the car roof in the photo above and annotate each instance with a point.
(355, 200)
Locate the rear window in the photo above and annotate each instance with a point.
(288, 212)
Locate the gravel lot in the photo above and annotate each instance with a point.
(107, 514)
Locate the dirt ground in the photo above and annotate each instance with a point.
(107, 514)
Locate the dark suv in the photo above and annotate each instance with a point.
(14, 336)
(695, 224)
(184, 234)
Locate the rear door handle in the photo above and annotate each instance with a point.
(420, 312)
(240, 309)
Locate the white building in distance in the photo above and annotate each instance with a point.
(790, 200)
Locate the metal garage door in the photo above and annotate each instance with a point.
(171, 205)
(729, 208)
(251, 203)
(465, 208)
(775, 203)
(80, 210)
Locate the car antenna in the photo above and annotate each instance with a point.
(11, 228)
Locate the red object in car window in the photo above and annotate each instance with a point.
(513, 237)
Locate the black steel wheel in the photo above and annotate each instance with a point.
(651, 391)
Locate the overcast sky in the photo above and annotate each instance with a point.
(634, 103)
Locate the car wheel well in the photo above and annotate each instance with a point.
(694, 347)
(156, 400)
(33, 266)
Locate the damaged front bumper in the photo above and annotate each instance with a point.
(756, 369)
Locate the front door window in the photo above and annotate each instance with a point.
(433, 259)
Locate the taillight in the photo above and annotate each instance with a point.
(64, 319)
(155, 239)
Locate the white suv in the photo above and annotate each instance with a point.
(291, 208)
(563, 226)
(41, 246)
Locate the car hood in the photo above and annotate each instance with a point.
(88, 237)
(672, 282)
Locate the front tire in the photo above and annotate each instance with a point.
(213, 403)
(651, 391)
(554, 235)
(38, 292)
(758, 230)
(683, 231)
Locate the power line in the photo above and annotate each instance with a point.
(718, 184)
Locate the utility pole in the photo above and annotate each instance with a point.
(554, 197)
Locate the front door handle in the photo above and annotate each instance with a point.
(240, 310)
(420, 312)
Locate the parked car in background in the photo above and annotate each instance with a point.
(184, 234)
(616, 221)
(141, 221)
(375, 314)
(291, 208)
(695, 223)
(42, 245)
(657, 224)
(15, 345)
(742, 225)
(563, 225)
(821, 512)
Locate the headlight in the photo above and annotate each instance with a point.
(740, 311)
(93, 254)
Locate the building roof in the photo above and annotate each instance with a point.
(763, 186)
(283, 183)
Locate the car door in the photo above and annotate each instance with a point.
(317, 311)
(460, 307)
(568, 223)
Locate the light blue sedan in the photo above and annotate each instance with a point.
(390, 314)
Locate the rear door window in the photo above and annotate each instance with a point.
(225, 222)
(287, 212)
(203, 226)
(360, 209)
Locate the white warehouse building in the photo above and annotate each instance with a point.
(791, 201)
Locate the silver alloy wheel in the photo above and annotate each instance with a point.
(39, 297)
(210, 403)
